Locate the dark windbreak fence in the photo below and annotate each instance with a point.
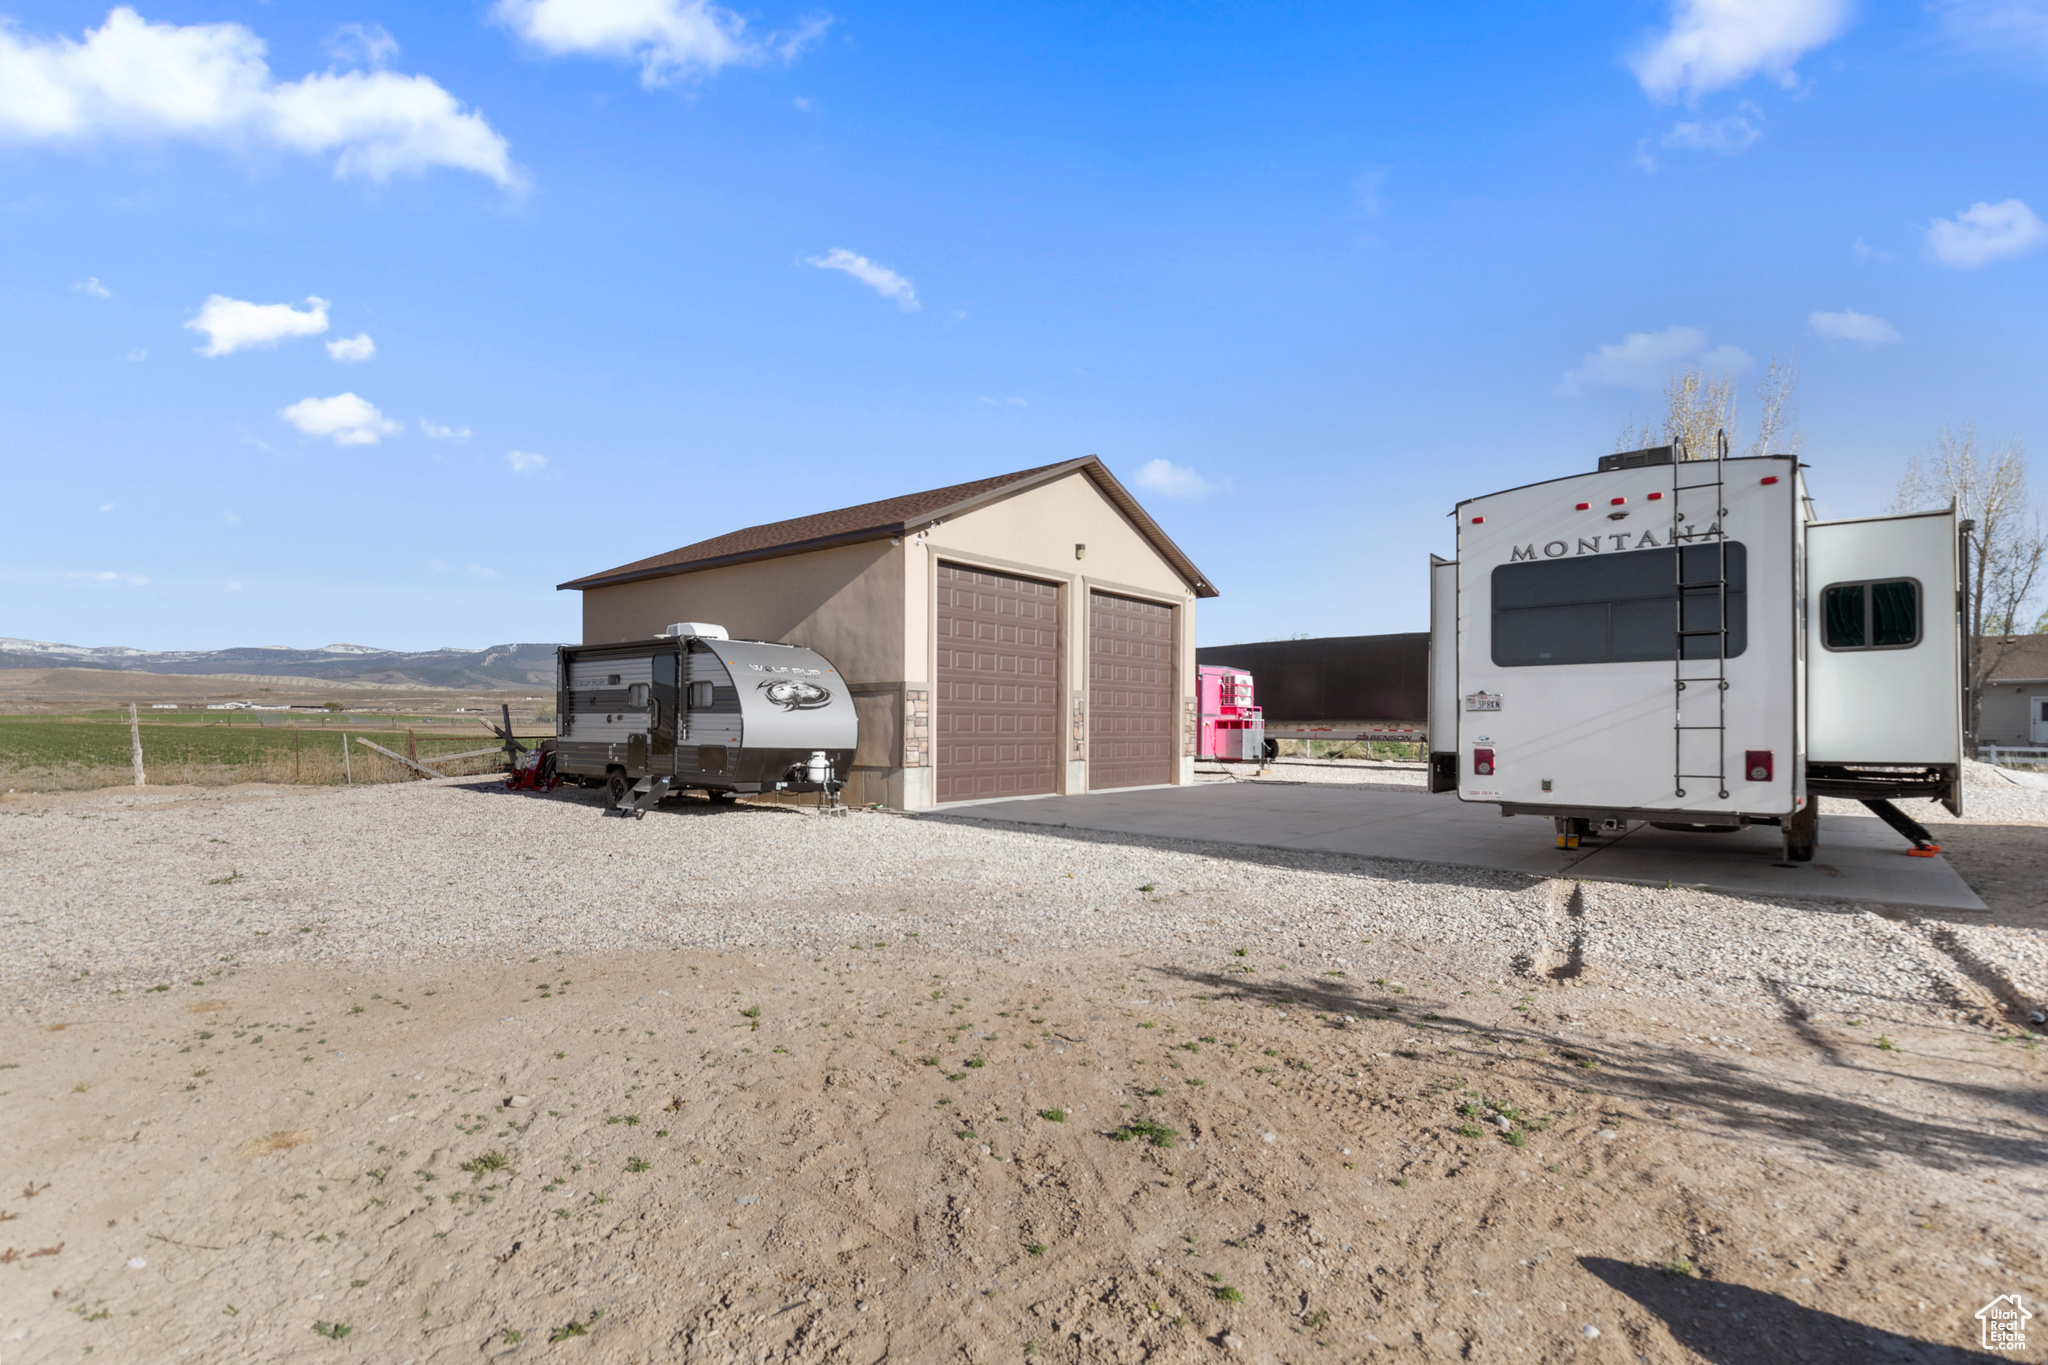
(1618, 608)
(1340, 677)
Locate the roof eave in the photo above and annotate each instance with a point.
(610, 580)
(1090, 465)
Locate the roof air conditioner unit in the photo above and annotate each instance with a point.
(701, 629)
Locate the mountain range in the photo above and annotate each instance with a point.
(500, 666)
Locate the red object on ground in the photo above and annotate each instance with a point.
(534, 772)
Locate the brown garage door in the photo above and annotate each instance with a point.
(1130, 692)
(996, 721)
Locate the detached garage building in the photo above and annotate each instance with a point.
(1022, 635)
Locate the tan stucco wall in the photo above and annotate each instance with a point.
(842, 602)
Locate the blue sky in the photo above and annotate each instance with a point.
(634, 275)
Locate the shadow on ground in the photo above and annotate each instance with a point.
(1730, 1324)
(1695, 1087)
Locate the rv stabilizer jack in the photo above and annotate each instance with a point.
(1923, 842)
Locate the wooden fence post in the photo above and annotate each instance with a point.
(135, 742)
(295, 753)
(348, 774)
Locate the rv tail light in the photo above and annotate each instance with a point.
(1772, 479)
(1582, 506)
(1616, 502)
(1656, 497)
(1757, 763)
(1477, 520)
(1482, 762)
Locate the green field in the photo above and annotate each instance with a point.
(71, 751)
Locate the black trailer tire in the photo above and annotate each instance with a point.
(616, 786)
(1271, 750)
(1802, 832)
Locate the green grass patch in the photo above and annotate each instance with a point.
(1158, 1134)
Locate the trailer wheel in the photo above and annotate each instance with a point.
(1802, 832)
(1271, 750)
(616, 785)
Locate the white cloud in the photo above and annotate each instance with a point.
(1983, 233)
(106, 507)
(363, 44)
(131, 80)
(1713, 44)
(349, 350)
(140, 353)
(1172, 480)
(1847, 325)
(232, 325)
(668, 38)
(441, 433)
(1727, 136)
(1004, 402)
(526, 462)
(109, 576)
(1644, 360)
(483, 571)
(91, 285)
(350, 420)
(879, 278)
(1998, 25)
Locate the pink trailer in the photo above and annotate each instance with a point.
(1232, 730)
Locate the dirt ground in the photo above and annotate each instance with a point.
(2006, 865)
(883, 1151)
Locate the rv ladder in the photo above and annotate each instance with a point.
(1694, 589)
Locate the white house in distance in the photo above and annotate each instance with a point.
(1025, 634)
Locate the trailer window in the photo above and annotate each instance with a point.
(1877, 615)
(1619, 608)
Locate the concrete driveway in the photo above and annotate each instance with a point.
(1859, 858)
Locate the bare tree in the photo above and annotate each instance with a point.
(1988, 488)
(1699, 409)
(1777, 430)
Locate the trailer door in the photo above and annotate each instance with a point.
(1884, 641)
(1442, 722)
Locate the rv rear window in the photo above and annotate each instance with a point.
(1877, 615)
(1620, 608)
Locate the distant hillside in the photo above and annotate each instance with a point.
(500, 666)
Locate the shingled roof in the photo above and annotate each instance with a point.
(902, 516)
(2025, 657)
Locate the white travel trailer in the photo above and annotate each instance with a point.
(696, 708)
(1682, 642)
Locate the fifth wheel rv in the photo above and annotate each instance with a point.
(693, 708)
(1683, 642)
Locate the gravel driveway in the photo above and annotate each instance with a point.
(134, 888)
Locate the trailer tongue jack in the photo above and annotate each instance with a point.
(1923, 842)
